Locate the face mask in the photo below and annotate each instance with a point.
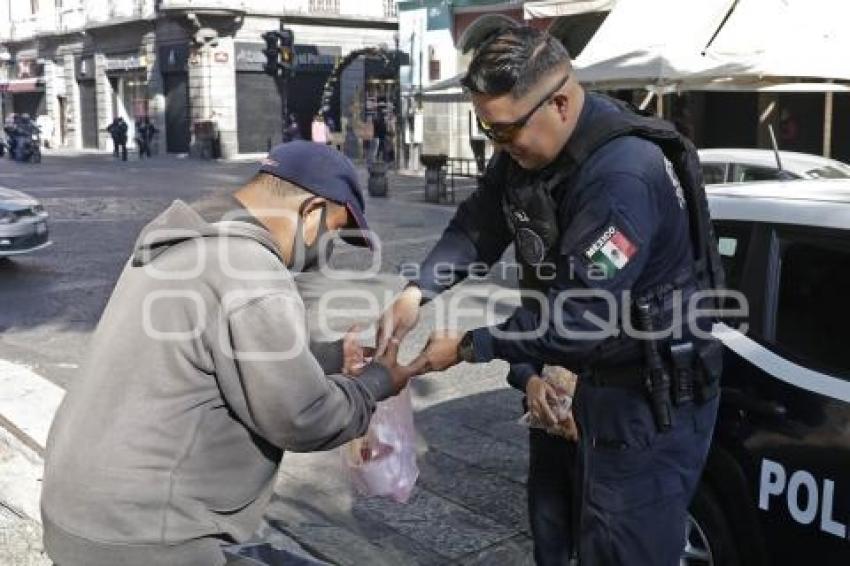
(309, 255)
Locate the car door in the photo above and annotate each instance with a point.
(788, 388)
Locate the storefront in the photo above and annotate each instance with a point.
(128, 79)
(24, 93)
(173, 62)
(258, 101)
(314, 64)
(85, 76)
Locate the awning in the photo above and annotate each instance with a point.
(22, 85)
(766, 86)
(446, 84)
(697, 44)
(557, 8)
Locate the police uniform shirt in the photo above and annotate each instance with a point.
(623, 227)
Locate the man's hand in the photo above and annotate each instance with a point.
(538, 395)
(542, 399)
(399, 318)
(400, 374)
(566, 428)
(440, 353)
(355, 357)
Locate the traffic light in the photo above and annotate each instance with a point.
(272, 53)
(287, 50)
(280, 52)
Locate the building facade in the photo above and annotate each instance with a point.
(194, 67)
(437, 114)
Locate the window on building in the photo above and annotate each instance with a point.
(390, 9)
(813, 304)
(324, 6)
(433, 65)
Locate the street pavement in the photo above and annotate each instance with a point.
(468, 506)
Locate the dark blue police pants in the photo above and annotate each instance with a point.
(551, 481)
(636, 483)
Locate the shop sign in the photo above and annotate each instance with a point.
(28, 69)
(126, 62)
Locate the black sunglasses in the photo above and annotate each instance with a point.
(506, 132)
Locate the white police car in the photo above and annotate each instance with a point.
(776, 489)
(736, 165)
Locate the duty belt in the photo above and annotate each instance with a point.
(693, 380)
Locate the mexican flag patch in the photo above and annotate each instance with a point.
(611, 251)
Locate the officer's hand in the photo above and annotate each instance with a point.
(440, 353)
(355, 356)
(538, 395)
(400, 374)
(566, 428)
(400, 318)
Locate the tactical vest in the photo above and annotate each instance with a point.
(531, 201)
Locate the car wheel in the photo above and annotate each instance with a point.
(708, 540)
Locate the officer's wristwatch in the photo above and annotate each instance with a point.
(466, 349)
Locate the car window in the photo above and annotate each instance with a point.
(733, 242)
(714, 173)
(742, 173)
(813, 304)
(829, 172)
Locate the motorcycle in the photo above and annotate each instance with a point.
(25, 144)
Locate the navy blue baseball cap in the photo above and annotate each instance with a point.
(325, 172)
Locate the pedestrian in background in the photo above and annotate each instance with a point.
(118, 130)
(145, 132)
(379, 139)
(319, 130)
(292, 132)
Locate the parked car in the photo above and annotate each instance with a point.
(743, 165)
(23, 223)
(776, 489)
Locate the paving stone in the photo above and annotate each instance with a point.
(485, 494)
(500, 457)
(516, 551)
(451, 530)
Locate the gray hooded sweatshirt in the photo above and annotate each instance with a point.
(198, 377)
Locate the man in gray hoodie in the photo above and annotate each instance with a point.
(200, 374)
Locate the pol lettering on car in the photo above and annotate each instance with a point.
(806, 498)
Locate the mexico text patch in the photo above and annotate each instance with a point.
(611, 251)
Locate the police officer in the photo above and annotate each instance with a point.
(608, 216)
(145, 131)
(117, 129)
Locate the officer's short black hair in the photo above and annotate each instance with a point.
(513, 60)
